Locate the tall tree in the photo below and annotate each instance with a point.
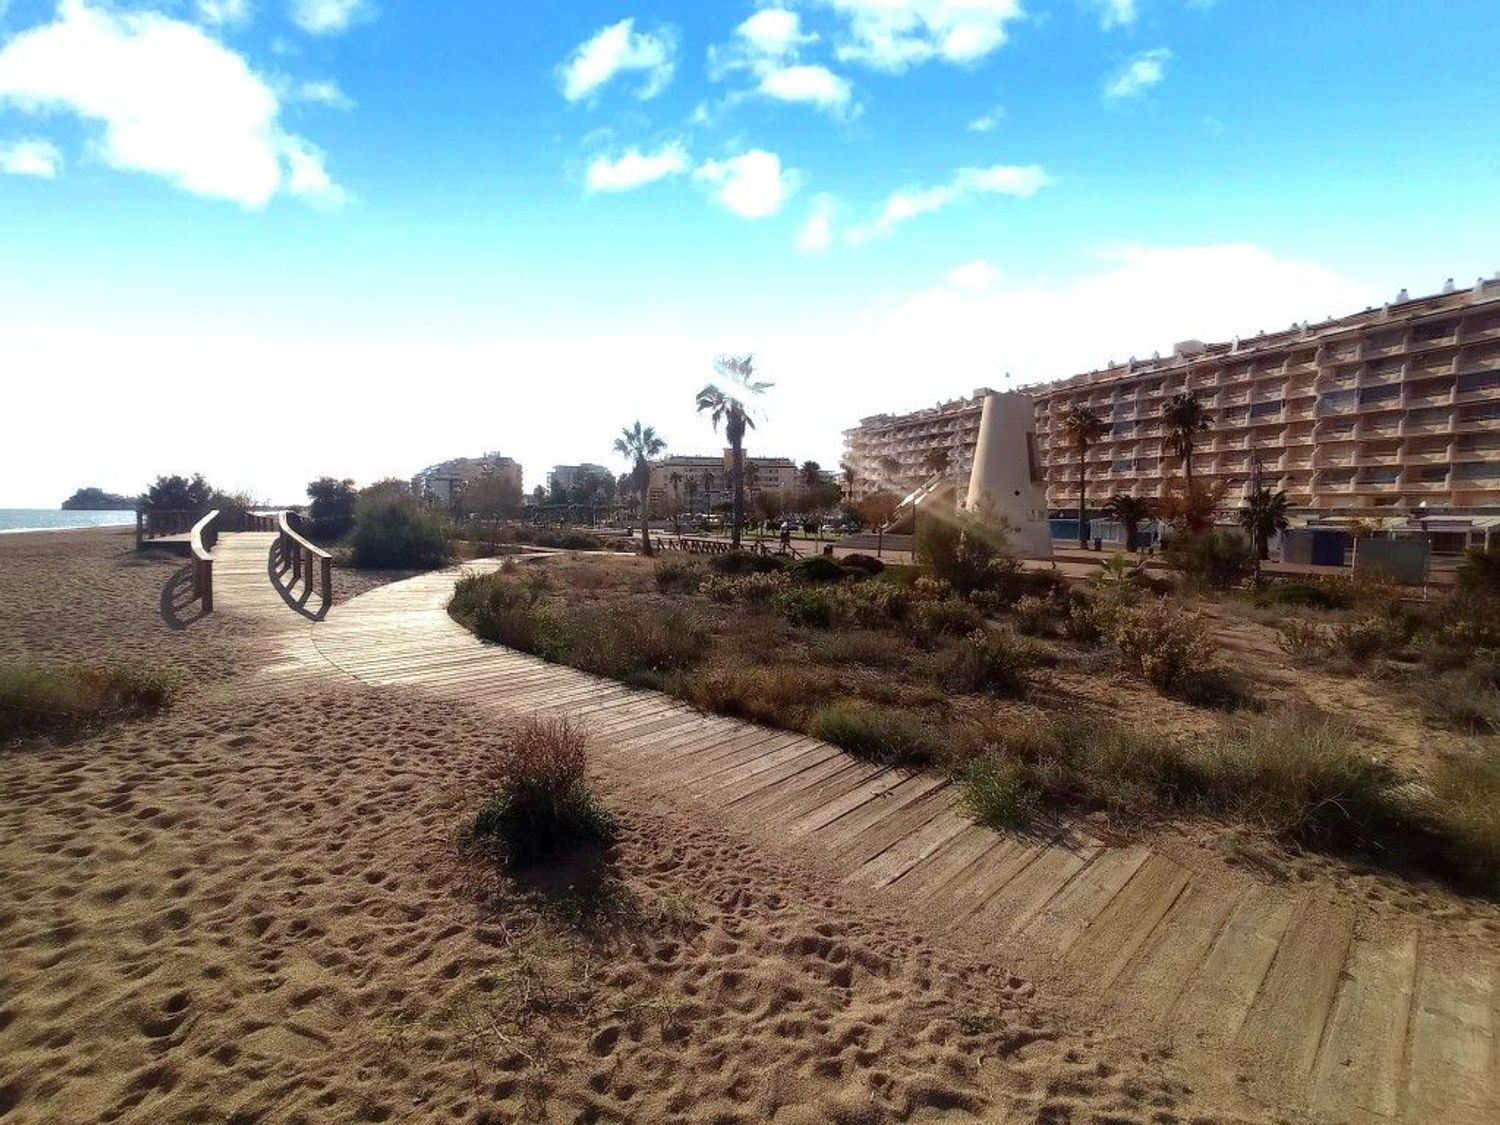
(692, 491)
(1184, 418)
(810, 473)
(638, 444)
(1130, 512)
(849, 474)
(723, 401)
(1265, 514)
(935, 461)
(1083, 428)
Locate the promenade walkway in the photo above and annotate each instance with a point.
(1313, 1000)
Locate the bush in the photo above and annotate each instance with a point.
(1303, 641)
(1367, 637)
(1037, 617)
(396, 531)
(947, 617)
(1467, 788)
(993, 661)
(867, 564)
(331, 514)
(883, 734)
(963, 550)
(1462, 700)
(1161, 641)
(743, 562)
(542, 804)
(64, 700)
(1479, 573)
(682, 575)
(1306, 595)
(875, 603)
(801, 606)
(998, 792)
(1218, 559)
(754, 588)
(817, 569)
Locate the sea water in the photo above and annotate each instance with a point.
(50, 519)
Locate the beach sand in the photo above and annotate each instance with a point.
(263, 913)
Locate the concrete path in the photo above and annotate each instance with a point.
(1312, 1001)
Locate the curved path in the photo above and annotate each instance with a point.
(1314, 1002)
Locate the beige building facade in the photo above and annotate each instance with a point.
(1374, 414)
(443, 483)
(711, 478)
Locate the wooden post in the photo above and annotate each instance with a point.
(140, 527)
(307, 568)
(327, 576)
(206, 592)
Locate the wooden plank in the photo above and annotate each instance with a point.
(1358, 1075)
(1450, 1078)
(883, 869)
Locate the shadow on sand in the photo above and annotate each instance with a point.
(179, 607)
(292, 589)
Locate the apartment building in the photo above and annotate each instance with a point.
(891, 451)
(1377, 413)
(563, 478)
(706, 480)
(441, 484)
(1374, 414)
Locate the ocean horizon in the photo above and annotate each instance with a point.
(14, 520)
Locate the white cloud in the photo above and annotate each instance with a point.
(753, 184)
(816, 234)
(223, 13)
(1139, 74)
(895, 34)
(973, 277)
(30, 157)
(767, 46)
(171, 101)
(619, 49)
(987, 122)
(328, 17)
(1115, 13)
(1137, 299)
(814, 85)
(774, 31)
(324, 91)
(635, 169)
(1020, 181)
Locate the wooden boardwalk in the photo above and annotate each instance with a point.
(1311, 1000)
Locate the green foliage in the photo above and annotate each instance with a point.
(35, 700)
(805, 607)
(331, 512)
(818, 568)
(1264, 515)
(1313, 594)
(968, 552)
(883, 734)
(542, 805)
(998, 792)
(868, 564)
(92, 499)
(744, 562)
(1479, 573)
(394, 531)
(1039, 617)
(178, 493)
(875, 603)
(994, 661)
(1217, 559)
(1160, 640)
(942, 617)
(1466, 700)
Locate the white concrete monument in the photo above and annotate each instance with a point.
(1007, 482)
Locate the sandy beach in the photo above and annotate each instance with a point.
(261, 912)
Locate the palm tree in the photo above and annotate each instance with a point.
(692, 491)
(724, 405)
(1264, 515)
(638, 445)
(849, 474)
(675, 478)
(1130, 512)
(1185, 418)
(810, 473)
(1083, 427)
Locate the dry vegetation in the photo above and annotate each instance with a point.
(1111, 697)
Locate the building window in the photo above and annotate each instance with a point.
(1479, 381)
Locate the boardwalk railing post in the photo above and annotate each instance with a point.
(327, 577)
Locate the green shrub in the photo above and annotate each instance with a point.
(874, 603)
(884, 734)
(994, 661)
(1479, 573)
(1367, 637)
(542, 805)
(964, 550)
(1466, 787)
(682, 575)
(745, 562)
(1037, 617)
(946, 617)
(1303, 641)
(64, 700)
(1463, 700)
(867, 564)
(804, 607)
(1161, 640)
(1305, 595)
(1218, 559)
(396, 531)
(998, 792)
(818, 568)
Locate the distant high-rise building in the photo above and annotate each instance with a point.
(443, 483)
(712, 479)
(1385, 412)
(563, 478)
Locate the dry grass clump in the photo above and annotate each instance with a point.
(1467, 788)
(542, 804)
(883, 734)
(66, 700)
(994, 661)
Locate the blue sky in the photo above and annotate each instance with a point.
(410, 231)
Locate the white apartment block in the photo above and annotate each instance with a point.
(712, 480)
(1378, 413)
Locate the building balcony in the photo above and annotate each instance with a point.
(1460, 453)
(1484, 394)
(1477, 426)
(1430, 457)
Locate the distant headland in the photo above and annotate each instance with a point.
(97, 500)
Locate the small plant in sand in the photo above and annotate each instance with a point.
(998, 792)
(542, 804)
(994, 661)
(58, 700)
(1161, 641)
